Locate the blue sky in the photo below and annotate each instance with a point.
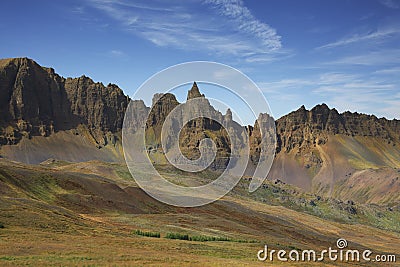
(340, 52)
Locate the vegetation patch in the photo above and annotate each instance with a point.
(8, 258)
(148, 234)
(204, 238)
(177, 236)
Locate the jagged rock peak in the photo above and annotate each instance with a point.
(321, 108)
(194, 92)
(228, 115)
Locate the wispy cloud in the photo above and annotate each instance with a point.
(116, 53)
(390, 4)
(378, 99)
(375, 58)
(368, 94)
(378, 35)
(389, 71)
(78, 10)
(224, 27)
(245, 22)
(329, 78)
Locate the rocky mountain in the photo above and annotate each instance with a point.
(44, 115)
(189, 136)
(345, 155)
(36, 101)
(304, 128)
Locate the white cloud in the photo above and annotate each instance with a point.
(389, 71)
(390, 4)
(223, 27)
(284, 85)
(378, 35)
(79, 10)
(368, 95)
(117, 53)
(361, 93)
(375, 58)
(247, 23)
(329, 78)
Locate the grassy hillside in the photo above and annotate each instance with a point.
(61, 213)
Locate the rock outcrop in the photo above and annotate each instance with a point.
(192, 132)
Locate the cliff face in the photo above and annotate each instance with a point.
(36, 101)
(305, 128)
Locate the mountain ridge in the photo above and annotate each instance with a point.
(45, 115)
(323, 119)
(81, 91)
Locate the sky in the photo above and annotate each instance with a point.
(345, 53)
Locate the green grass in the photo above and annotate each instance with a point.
(148, 234)
(7, 258)
(124, 174)
(198, 238)
(177, 236)
(205, 238)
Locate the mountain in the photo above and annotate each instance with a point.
(344, 155)
(35, 101)
(341, 155)
(75, 202)
(39, 101)
(193, 132)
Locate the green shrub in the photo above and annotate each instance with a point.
(199, 238)
(203, 238)
(177, 236)
(148, 234)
